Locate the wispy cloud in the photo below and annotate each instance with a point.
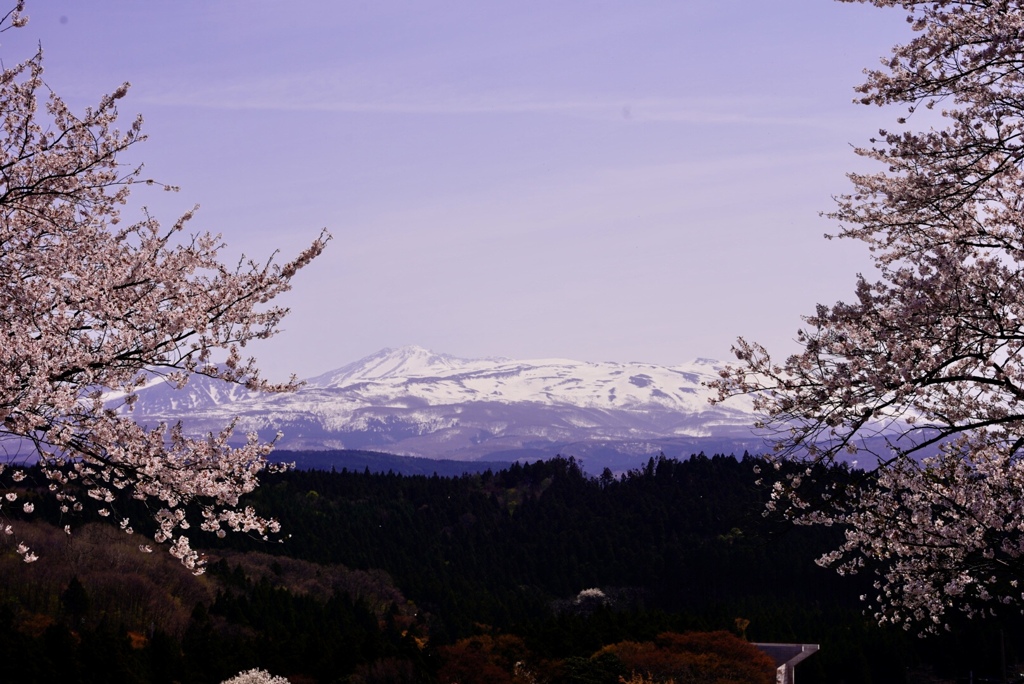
(333, 94)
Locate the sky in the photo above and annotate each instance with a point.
(600, 181)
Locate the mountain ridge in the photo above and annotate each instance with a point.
(415, 402)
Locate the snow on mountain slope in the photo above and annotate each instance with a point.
(405, 362)
(201, 393)
(439, 379)
(415, 402)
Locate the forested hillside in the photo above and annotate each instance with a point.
(386, 577)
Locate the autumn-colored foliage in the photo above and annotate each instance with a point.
(483, 659)
(695, 657)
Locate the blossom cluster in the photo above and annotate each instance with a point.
(95, 306)
(255, 676)
(927, 359)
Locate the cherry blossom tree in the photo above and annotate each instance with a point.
(94, 306)
(928, 357)
(255, 676)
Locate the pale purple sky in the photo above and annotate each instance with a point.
(603, 181)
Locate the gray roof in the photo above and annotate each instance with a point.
(788, 654)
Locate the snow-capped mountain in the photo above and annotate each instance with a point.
(412, 401)
(394, 376)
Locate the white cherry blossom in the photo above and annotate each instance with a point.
(93, 304)
(929, 354)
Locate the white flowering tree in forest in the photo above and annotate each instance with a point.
(929, 354)
(92, 305)
(255, 676)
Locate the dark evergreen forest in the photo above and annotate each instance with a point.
(382, 577)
